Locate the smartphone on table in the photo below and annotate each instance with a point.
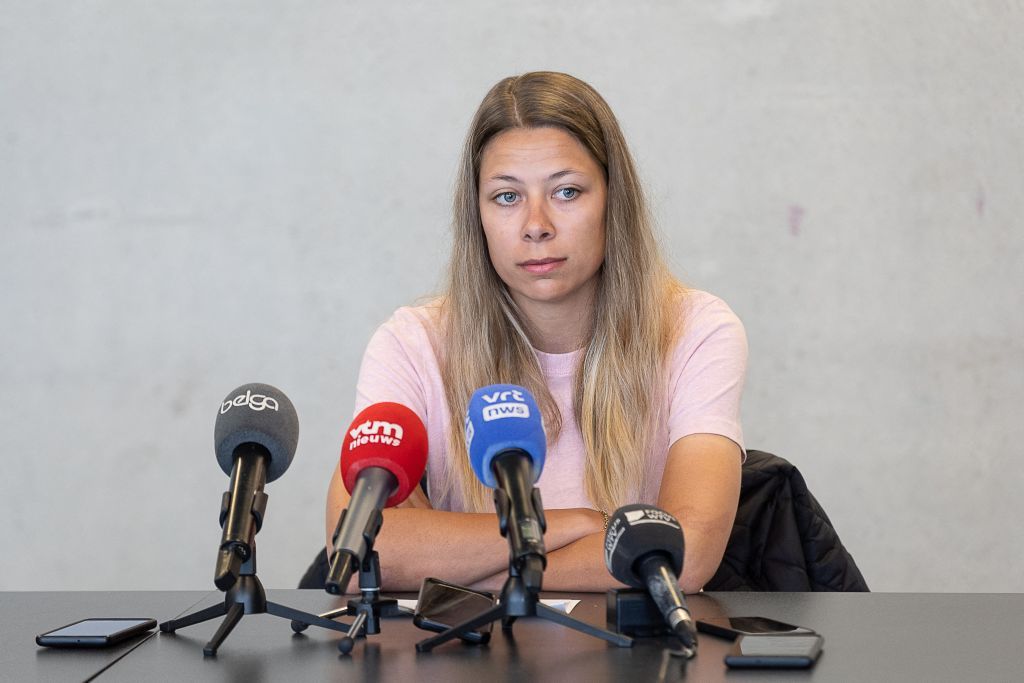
(734, 627)
(774, 651)
(95, 632)
(442, 605)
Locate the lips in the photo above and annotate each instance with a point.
(541, 266)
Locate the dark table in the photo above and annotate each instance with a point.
(25, 615)
(868, 636)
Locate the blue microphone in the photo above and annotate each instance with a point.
(506, 443)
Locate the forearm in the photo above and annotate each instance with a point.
(459, 547)
(577, 566)
(704, 549)
(416, 541)
(701, 488)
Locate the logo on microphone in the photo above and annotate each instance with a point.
(611, 540)
(376, 431)
(470, 431)
(651, 516)
(499, 411)
(255, 402)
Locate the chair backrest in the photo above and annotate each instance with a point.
(782, 540)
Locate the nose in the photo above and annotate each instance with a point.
(538, 226)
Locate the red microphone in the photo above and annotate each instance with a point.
(383, 459)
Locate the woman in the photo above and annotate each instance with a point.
(555, 284)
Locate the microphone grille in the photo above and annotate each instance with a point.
(261, 414)
(390, 436)
(634, 532)
(499, 418)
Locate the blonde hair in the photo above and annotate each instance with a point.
(484, 338)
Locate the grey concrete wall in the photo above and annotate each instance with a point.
(197, 195)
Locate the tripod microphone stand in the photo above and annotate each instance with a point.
(244, 591)
(247, 596)
(518, 600)
(368, 610)
(519, 595)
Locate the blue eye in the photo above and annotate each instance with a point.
(567, 193)
(506, 198)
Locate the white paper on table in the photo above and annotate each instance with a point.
(562, 605)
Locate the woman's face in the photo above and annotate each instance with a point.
(542, 204)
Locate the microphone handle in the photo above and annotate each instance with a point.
(358, 525)
(663, 586)
(513, 470)
(240, 525)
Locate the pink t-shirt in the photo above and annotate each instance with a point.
(704, 383)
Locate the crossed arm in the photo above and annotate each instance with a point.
(700, 487)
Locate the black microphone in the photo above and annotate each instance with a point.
(255, 437)
(643, 548)
(382, 461)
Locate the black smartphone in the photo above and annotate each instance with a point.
(774, 651)
(734, 627)
(95, 632)
(442, 605)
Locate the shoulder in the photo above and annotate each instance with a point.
(411, 326)
(709, 340)
(408, 339)
(703, 316)
(425, 317)
(400, 363)
(701, 309)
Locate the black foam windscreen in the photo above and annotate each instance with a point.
(634, 532)
(261, 414)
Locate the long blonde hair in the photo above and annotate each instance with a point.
(485, 339)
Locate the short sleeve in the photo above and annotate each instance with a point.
(707, 371)
(392, 368)
(400, 365)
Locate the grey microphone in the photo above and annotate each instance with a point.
(255, 437)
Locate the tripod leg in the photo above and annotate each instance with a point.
(300, 626)
(304, 617)
(335, 613)
(205, 614)
(559, 617)
(493, 614)
(235, 613)
(346, 644)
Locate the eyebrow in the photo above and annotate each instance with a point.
(554, 176)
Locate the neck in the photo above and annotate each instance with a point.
(558, 327)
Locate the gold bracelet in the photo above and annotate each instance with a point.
(605, 515)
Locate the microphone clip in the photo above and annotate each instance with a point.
(502, 507)
(257, 509)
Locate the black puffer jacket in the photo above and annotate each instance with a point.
(782, 540)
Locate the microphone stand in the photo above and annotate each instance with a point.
(246, 596)
(368, 610)
(519, 595)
